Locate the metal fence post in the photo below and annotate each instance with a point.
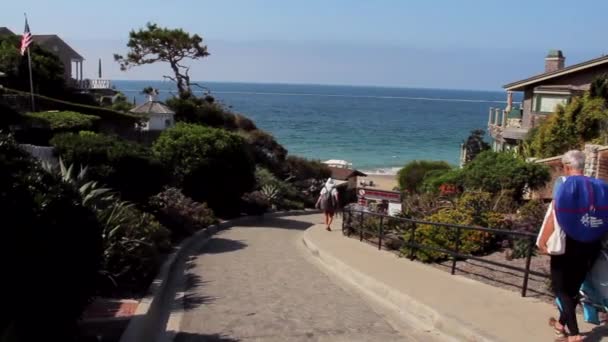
(381, 233)
(349, 224)
(456, 250)
(524, 287)
(361, 227)
(412, 251)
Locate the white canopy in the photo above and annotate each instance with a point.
(338, 163)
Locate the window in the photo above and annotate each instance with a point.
(546, 103)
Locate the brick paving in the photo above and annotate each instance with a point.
(254, 283)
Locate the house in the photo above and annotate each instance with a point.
(541, 94)
(72, 60)
(158, 116)
(342, 175)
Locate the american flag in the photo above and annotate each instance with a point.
(26, 40)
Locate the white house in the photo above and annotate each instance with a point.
(159, 116)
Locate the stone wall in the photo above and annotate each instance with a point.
(602, 163)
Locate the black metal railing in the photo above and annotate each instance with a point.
(354, 222)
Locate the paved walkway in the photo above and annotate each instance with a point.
(463, 308)
(257, 282)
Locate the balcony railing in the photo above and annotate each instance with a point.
(500, 117)
(92, 84)
(501, 126)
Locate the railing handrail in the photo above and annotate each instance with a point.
(455, 253)
(449, 225)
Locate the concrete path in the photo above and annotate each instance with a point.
(460, 307)
(257, 282)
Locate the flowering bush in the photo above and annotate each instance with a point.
(182, 215)
(471, 209)
(255, 203)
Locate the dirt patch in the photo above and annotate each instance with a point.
(503, 277)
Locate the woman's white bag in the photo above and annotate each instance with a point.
(556, 244)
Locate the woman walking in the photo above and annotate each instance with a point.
(328, 202)
(569, 269)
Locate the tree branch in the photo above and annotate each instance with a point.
(170, 78)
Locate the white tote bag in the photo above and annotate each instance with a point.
(556, 244)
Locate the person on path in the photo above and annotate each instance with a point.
(328, 202)
(568, 270)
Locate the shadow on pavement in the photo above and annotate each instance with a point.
(270, 222)
(192, 337)
(192, 300)
(218, 245)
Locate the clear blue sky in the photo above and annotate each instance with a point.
(467, 44)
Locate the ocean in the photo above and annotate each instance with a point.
(378, 129)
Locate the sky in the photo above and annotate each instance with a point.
(448, 44)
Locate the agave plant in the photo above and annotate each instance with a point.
(92, 194)
(271, 192)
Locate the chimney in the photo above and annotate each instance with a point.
(554, 61)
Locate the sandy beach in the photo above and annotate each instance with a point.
(381, 182)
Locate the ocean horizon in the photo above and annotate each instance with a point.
(378, 129)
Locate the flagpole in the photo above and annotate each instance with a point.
(29, 65)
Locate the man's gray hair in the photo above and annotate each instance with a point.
(574, 158)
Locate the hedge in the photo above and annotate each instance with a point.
(63, 121)
(211, 165)
(50, 243)
(127, 167)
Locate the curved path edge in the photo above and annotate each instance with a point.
(405, 307)
(159, 313)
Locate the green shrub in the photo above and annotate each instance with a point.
(211, 165)
(471, 242)
(9, 117)
(254, 203)
(197, 110)
(475, 144)
(118, 120)
(281, 194)
(133, 241)
(418, 206)
(39, 128)
(302, 169)
(529, 218)
(121, 103)
(180, 214)
(267, 152)
(471, 209)
(288, 204)
(50, 241)
(410, 177)
(244, 123)
(582, 120)
(434, 179)
(127, 167)
(63, 121)
(494, 172)
(133, 246)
